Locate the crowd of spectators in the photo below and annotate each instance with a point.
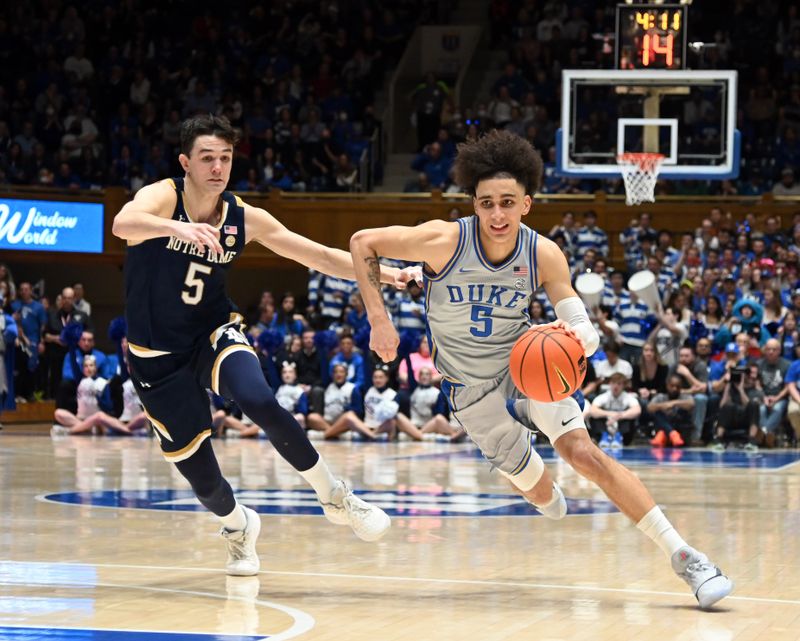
(540, 39)
(717, 360)
(99, 89)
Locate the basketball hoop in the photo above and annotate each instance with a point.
(639, 172)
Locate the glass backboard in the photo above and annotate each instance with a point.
(688, 116)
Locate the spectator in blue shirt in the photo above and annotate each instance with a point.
(31, 319)
(72, 368)
(433, 164)
(350, 358)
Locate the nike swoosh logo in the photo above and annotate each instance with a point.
(465, 271)
(563, 423)
(563, 381)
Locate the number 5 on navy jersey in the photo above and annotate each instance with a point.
(481, 314)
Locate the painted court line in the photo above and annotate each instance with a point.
(475, 582)
(302, 622)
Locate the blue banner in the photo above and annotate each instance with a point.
(51, 226)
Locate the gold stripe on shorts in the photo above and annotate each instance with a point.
(185, 452)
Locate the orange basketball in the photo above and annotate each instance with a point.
(547, 364)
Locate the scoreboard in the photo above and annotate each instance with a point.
(651, 36)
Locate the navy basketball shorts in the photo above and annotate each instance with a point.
(172, 388)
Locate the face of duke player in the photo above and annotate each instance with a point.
(208, 166)
(500, 204)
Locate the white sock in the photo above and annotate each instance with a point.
(655, 525)
(320, 478)
(236, 520)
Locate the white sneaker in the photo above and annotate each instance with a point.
(344, 508)
(706, 580)
(242, 556)
(59, 430)
(557, 508)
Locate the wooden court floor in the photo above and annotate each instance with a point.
(101, 541)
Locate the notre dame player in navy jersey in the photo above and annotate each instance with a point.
(185, 336)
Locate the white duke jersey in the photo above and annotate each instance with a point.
(476, 311)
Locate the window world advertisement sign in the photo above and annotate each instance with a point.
(50, 225)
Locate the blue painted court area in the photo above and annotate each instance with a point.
(39, 634)
(636, 456)
(303, 502)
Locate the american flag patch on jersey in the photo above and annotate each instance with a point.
(230, 229)
(520, 271)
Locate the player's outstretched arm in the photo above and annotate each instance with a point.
(555, 276)
(264, 228)
(433, 243)
(149, 215)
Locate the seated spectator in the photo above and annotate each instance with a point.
(380, 412)
(537, 313)
(672, 414)
(291, 396)
(73, 365)
(340, 398)
(694, 381)
(747, 317)
(351, 359)
(649, 376)
(428, 409)
(612, 365)
(433, 164)
(419, 360)
(590, 382)
(88, 417)
(788, 335)
(613, 414)
(737, 419)
(287, 321)
(787, 186)
(772, 370)
(309, 370)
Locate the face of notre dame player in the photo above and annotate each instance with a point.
(208, 166)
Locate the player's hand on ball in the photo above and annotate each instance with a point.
(383, 340)
(568, 330)
(201, 235)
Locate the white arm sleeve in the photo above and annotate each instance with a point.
(573, 312)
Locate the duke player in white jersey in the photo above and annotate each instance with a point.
(479, 275)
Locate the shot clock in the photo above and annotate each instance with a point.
(651, 36)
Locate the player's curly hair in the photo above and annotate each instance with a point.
(206, 125)
(498, 154)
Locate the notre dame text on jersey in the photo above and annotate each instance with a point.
(175, 293)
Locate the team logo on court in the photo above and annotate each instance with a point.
(303, 502)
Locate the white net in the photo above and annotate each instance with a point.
(640, 173)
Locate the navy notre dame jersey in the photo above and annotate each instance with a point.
(175, 294)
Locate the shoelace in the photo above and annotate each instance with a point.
(354, 504)
(697, 567)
